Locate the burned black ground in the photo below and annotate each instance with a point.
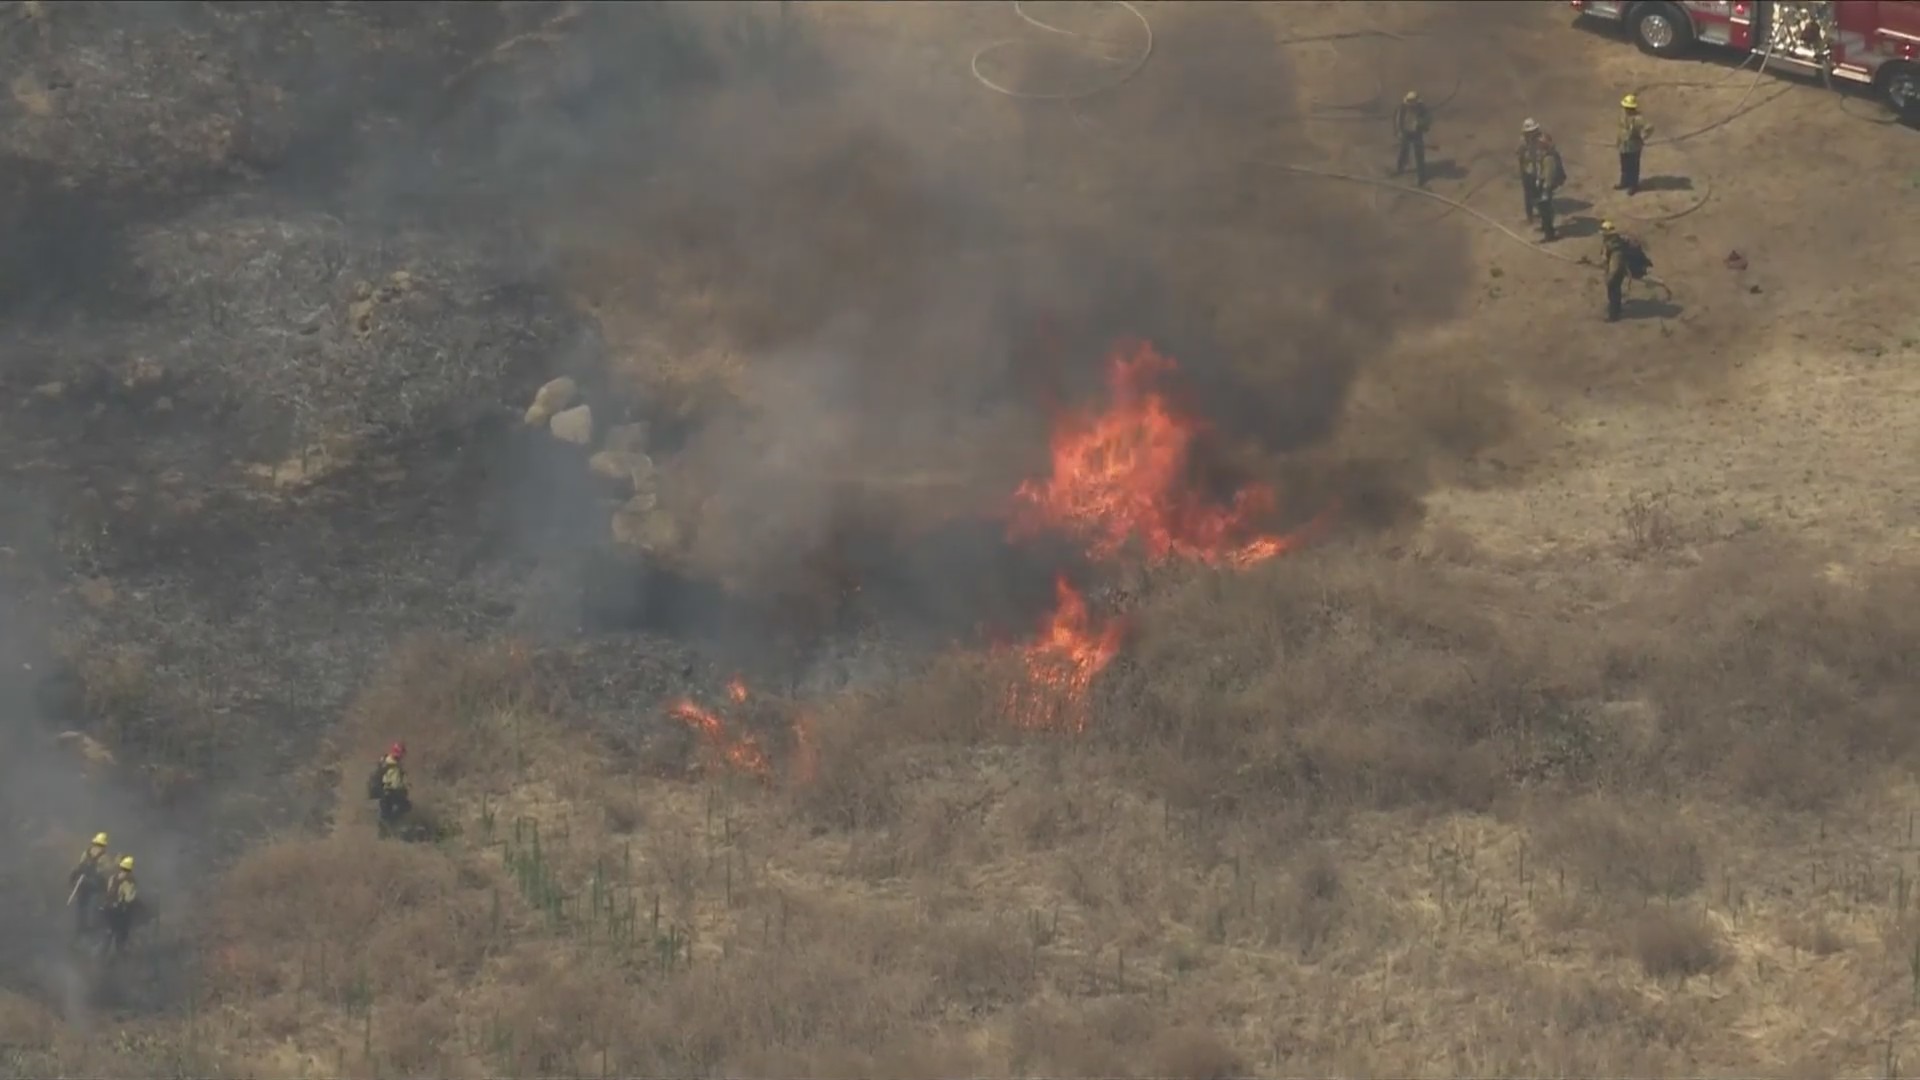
(269, 313)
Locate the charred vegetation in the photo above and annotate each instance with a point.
(1013, 592)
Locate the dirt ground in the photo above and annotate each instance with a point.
(1582, 746)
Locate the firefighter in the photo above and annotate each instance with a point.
(121, 896)
(1634, 132)
(1541, 174)
(388, 784)
(1411, 122)
(1621, 256)
(84, 884)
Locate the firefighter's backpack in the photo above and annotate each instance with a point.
(375, 788)
(1638, 262)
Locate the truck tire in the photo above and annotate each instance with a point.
(1899, 85)
(1661, 29)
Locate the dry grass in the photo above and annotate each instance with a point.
(1675, 943)
(1642, 812)
(1347, 814)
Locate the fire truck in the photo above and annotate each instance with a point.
(1872, 42)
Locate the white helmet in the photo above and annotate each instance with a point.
(1529, 125)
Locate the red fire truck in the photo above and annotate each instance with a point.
(1874, 42)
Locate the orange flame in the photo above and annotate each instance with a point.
(1121, 474)
(1061, 664)
(743, 751)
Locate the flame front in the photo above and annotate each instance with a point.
(1061, 664)
(743, 752)
(1122, 475)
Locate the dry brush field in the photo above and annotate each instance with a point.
(1391, 670)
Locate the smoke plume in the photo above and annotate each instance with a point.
(898, 275)
(847, 287)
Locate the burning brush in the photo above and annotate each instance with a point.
(1123, 475)
(1121, 484)
(1059, 665)
(721, 735)
(1121, 480)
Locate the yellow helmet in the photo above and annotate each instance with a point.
(1412, 96)
(1629, 102)
(126, 862)
(1606, 226)
(99, 839)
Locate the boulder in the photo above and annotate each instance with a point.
(574, 425)
(632, 470)
(557, 395)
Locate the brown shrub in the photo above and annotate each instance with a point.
(1813, 934)
(1341, 682)
(1650, 525)
(1101, 1039)
(858, 780)
(1047, 815)
(1338, 679)
(1679, 942)
(1259, 710)
(922, 840)
(331, 916)
(1192, 1053)
(1305, 912)
(916, 1055)
(981, 964)
(1784, 682)
(558, 1013)
(1642, 848)
(132, 708)
(623, 813)
(811, 997)
(24, 1023)
(1119, 1037)
(461, 708)
(416, 1038)
(1598, 1009)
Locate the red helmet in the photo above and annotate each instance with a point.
(397, 750)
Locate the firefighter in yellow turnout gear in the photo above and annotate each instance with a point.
(1541, 174)
(86, 882)
(1621, 257)
(1411, 122)
(119, 906)
(388, 784)
(1634, 133)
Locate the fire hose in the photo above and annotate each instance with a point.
(1139, 62)
(1740, 108)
